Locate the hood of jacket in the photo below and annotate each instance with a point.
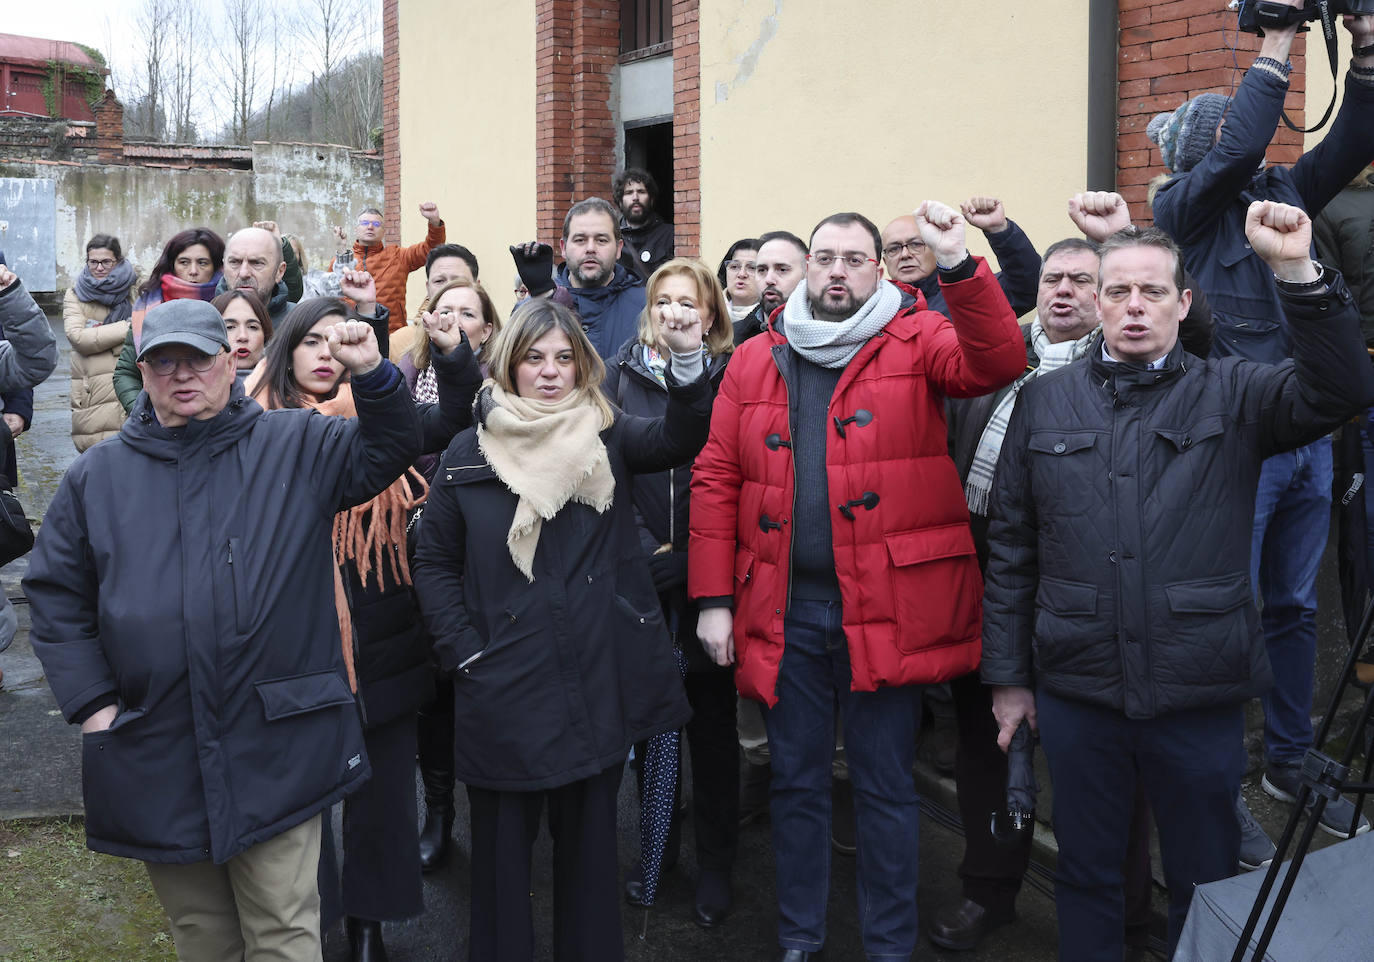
(621, 280)
(145, 433)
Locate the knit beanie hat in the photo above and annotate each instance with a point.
(1185, 136)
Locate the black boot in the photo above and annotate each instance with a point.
(435, 836)
(365, 940)
(435, 750)
(842, 816)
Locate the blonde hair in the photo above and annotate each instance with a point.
(528, 323)
(419, 351)
(720, 339)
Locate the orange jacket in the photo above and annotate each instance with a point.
(390, 266)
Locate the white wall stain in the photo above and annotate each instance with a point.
(748, 61)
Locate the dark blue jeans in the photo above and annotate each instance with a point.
(1191, 764)
(1292, 521)
(880, 739)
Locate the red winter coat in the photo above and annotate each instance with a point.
(907, 570)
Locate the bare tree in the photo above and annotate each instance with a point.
(241, 42)
(183, 73)
(333, 32)
(149, 107)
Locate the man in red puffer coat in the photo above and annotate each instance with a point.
(830, 548)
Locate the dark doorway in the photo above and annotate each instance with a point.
(649, 146)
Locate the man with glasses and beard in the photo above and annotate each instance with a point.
(818, 573)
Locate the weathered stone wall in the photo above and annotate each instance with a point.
(306, 188)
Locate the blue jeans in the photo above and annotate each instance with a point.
(1190, 763)
(880, 740)
(1292, 521)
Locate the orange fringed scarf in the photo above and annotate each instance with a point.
(371, 535)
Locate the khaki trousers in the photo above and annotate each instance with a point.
(263, 904)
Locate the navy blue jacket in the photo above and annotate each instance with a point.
(610, 314)
(1204, 209)
(188, 573)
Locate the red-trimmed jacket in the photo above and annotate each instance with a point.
(907, 570)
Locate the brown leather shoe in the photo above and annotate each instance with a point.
(961, 925)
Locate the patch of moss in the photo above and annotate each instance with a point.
(65, 903)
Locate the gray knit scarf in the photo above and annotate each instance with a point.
(834, 343)
(978, 486)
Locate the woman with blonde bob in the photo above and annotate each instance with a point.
(635, 383)
(557, 644)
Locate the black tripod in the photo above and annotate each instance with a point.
(1325, 777)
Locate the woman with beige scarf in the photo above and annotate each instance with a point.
(386, 649)
(557, 644)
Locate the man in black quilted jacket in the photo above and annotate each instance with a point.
(1119, 613)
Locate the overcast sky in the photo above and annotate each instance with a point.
(103, 25)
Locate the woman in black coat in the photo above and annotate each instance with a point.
(556, 640)
(634, 382)
(388, 656)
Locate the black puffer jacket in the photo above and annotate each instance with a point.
(563, 674)
(662, 499)
(1122, 512)
(391, 646)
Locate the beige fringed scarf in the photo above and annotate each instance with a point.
(548, 455)
(371, 535)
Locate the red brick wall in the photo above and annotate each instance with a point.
(109, 128)
(1171, 50)
(576, 46)
(391, 121)
(686, 128)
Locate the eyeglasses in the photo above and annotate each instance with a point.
(369, 223)
(164, 364)
(895, 250)
(852, 259)
(781, 269)
(101, 265)
(739, 267)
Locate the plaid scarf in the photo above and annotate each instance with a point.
(978, 486)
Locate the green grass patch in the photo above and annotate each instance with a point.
(64, 903)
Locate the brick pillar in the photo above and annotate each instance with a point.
(686, 128)
(391, 121)
(576, 46)
(1171, 50)
(109, 129)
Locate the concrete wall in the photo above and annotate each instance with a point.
(467, 131)
(806, 111)
(305, 188)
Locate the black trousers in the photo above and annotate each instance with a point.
(435, 724)
(991, 871)
(714, 744)
(586, 889)
(381, 838)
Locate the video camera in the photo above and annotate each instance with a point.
(1256, 16)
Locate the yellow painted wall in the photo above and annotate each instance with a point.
(809, 107)
(467, 130)
(1319, 79)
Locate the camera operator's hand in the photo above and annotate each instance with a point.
(1279, 40)
(1361, 35)
(1099, 213)
(1282, 235)
(942, 228)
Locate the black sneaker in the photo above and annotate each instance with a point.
(1284, 781)
(1256, 849)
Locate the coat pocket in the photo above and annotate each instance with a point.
(936, 588)
(238, 579)
(1210, 628)
(1071, 635)
(298, 694)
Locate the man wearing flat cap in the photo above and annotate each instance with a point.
(183, 609)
